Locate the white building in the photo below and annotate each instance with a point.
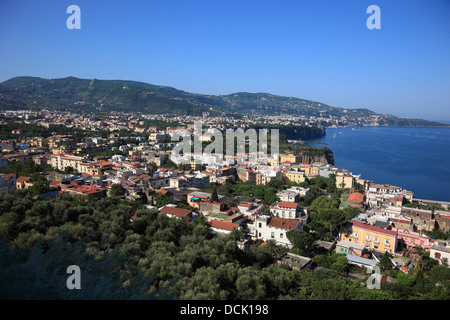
(275, 228)
(440, 250)
(290, 210)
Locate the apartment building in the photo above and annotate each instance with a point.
(373, 237)
(295, 176)
(61, 161)
(344, 181)
(422, 219)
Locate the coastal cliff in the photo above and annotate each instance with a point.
(324, 157)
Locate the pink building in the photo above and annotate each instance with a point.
(410, 239)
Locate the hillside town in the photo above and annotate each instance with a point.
(142, 169)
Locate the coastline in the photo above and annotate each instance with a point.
(382, 169)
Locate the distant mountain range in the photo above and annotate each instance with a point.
(131, 96)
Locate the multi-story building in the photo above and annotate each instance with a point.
(422, 219)
(312, 170)
(295, 176)
(442, 220)
(275, 228)
(7, 182)
(373, 237)
(288, 158)
(344, 181)
(288, 196)
(290, 210)
(61, 161)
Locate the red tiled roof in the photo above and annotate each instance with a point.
(373, 228)
(22, 179)
(244, 204)
(288, 224)
(290, 205)
(8, 176)
(224, 225)
(356, 197)
(175, 211)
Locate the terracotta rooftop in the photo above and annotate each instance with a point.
(175, 211)
(288, 224)
(22, 179)
(290, 205)
(356, 197)
(373, 228)
(224, 225)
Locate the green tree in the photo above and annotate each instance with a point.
(385, 262)
(214, 196)
(116, 191)
(161, 200)
(301, 240)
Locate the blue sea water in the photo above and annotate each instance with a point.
(416, 159)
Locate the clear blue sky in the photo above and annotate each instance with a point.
(317, 49)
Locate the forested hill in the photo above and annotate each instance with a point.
(103, 95)
(133, 96)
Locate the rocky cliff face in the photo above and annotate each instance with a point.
(325, 158)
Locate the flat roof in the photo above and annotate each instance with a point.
(348, 244)
(360, 260)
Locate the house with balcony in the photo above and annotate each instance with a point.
(372, 237)
(410, 239)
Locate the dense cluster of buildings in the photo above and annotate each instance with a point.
(385, 223)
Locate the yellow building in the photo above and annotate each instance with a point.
(373, 237)
(288, 158)
(344, 181)
(295, 176)
(312, 170)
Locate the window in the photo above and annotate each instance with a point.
(368, 238)
(355, 234)
(281, 235)
(272, 235)
(376, 240)
(260, 225)
(387, 243)
(437, 255)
